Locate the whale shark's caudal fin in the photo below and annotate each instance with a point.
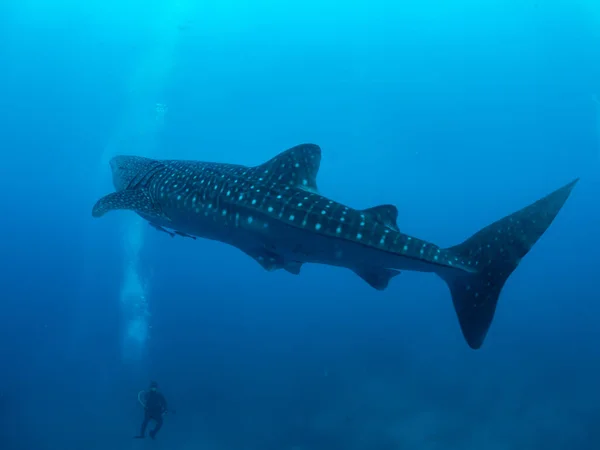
(497, 250)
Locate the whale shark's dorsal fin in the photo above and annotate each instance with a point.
(297, 166)
(385, 214)
(136, 200)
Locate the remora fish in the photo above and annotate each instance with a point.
(274, 213)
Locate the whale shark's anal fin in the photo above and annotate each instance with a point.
(377, 278)
(135, 200)
(292, 267)
(495, 251)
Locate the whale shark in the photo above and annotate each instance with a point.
(274, 213)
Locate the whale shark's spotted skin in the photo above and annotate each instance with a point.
(275, 214)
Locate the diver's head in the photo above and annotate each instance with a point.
(153, 386)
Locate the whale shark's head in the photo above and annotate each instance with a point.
(127, 169)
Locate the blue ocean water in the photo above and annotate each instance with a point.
(459, 112)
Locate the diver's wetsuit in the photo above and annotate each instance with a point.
(156, 405)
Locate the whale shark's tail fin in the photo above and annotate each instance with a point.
(496, 251)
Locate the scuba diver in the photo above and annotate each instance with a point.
(155, 406)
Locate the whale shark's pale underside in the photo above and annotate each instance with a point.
(275, 214)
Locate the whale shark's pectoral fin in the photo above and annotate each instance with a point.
(271, 261)
(377, 277)
(268, 260)
(134, 200)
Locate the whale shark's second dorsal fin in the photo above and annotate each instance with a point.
(385, 214)
(297, 166)
(135, 200)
